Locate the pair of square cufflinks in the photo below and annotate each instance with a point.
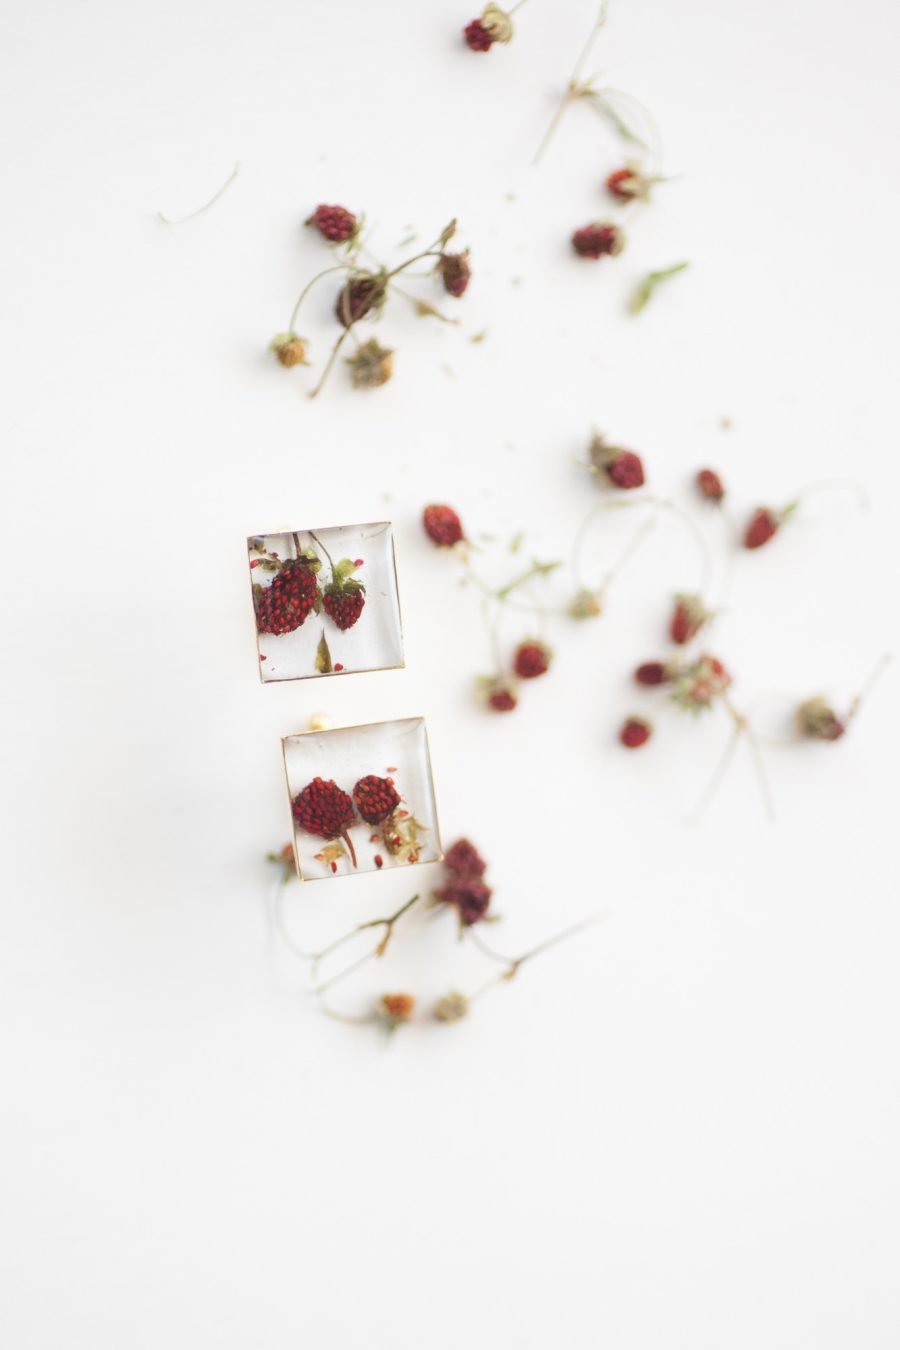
(326, 603)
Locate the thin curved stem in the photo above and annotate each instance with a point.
(717, 779)
(329, 271)
(331, 360)
(572, 85)
(182, 220)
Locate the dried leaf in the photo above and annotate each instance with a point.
(323, 657)
(644, 291)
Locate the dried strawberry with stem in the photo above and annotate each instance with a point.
(689, 615)
(766, 521)
(344, 597)
(494, 25)
(326, 811)
(293, 595)
(376, 799)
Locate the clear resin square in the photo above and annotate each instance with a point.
(325, 601)
(361, 798)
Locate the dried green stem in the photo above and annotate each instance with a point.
(182, 220)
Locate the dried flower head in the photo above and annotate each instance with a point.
(334, 223)
(623, 468)
(602, 239)
(397, 1008)
(464, 860)
(371, 366)
(585, 605)
(817, 720)
(453, 1007)
(689, 615)
(455, 272)
(442, 525)
(709, 485)
(697, 686)
(532, 659)
(635, 732)
(290, 349)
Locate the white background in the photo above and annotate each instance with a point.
(678, 1132)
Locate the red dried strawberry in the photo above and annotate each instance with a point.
(469, 896)
(817, 720)
(531, 660)
(762, 526)
(455, 273)
(442, 525)
(287, 603)
(600, 240)
(477, 37)
(623, 468)
(635, 732)
(652, 673)
(464, 859)
(375, 798)
(709, 485)
(334, 223)
(325, 810)
(628, 184)
(344, 604)
(502, 697)
(688, 617)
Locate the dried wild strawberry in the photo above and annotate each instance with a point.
(502, 698)
(652, 673)
(442, 525)
(358, 297)
(469, 896)
(344, 604)
(761, 527)
(455, 273)
(697, 686)
(477, 37)
(531, 660)
(464, 859)
(287, 603)
(325, 810)
(635, 732)
(375, 798)
(623, 468)
(599, 240)
(334, 223)
(709, 485)
(817, 720)
(688, 617)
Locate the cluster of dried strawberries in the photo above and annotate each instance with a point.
(364, 289)
(325, 810)
(696, 682)
(463, 890)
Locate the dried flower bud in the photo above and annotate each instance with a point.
(464, 860)
(635, 732)
(652, 673)
(371, 366)
(285, 857)
(469, 896)
(453, 1007)
(688, 617)
(585, 605)
(360, 296)
(531, 660)
(623, 468)
(334, 223)
(600, 240)
(455, 273)
(442, 525)
(697, 686)
(709, 485)
(397, 1008)
(289, 349)
(817, 720)
(628, 183)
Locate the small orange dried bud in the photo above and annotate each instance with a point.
(289, 349)
(397, 1008)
